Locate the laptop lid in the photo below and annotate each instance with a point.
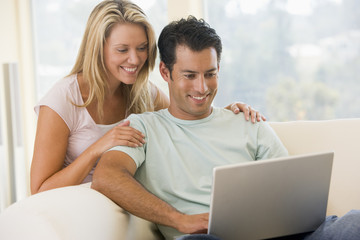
(270, 198)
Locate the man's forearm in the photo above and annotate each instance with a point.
(114, 178)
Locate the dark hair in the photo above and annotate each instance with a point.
(194, 33)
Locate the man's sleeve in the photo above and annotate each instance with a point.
(269, 144)
(136, 153)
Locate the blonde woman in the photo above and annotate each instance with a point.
(80, 117)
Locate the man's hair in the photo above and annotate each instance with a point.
(191, 32)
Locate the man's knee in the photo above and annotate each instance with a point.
(346, 227)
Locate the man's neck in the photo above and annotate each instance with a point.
(189, 116)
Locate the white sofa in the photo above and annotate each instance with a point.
(79, 212)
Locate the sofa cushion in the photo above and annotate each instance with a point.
(341, 136)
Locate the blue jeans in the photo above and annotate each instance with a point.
(333, 228)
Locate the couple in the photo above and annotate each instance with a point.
(81, 115)
(167, 180)
(80, 119)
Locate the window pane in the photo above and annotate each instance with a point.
(291, 59)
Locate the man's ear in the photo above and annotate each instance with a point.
(164, 71)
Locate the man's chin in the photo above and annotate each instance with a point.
(202, 113)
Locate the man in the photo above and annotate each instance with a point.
(168, 180)
(186, 141)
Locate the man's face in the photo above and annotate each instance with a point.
(192, 83)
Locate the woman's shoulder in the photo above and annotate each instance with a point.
(160, 99)
(66, 87)
(66, 83)
(153, 90)
(61, 95)
(62, 98)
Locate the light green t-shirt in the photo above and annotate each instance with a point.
(177, 161)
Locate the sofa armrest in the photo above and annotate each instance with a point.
(75, 212)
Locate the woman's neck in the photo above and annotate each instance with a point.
(114, 105)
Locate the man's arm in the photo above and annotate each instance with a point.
(114, 177)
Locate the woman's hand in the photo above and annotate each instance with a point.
(247, 110)
(122, 135)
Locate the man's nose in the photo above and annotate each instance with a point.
(201, 85)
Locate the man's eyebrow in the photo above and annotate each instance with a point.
(212, 69)
(191, 71)
(188, 71)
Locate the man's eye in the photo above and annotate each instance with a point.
(210, 75)
(190, 76)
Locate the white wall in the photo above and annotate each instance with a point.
(16, 47)
(181, 9)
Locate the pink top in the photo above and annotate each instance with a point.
(83, 129)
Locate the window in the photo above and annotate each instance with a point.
(58, 28)
(291, 59)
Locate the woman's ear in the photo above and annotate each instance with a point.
(164, 71)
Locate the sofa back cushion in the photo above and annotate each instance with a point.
(341, 136)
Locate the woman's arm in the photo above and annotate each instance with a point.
(50, 147)
(49, 151)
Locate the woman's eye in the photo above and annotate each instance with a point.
(142, 49)
(122, 50)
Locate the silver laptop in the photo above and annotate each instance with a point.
(270, 198)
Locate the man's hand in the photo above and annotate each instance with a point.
(192, 224)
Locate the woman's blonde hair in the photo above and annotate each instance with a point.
(90, 59)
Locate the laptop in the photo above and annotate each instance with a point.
(270, 198)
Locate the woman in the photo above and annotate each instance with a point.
(80, 117)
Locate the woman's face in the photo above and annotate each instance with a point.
(125, 52)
